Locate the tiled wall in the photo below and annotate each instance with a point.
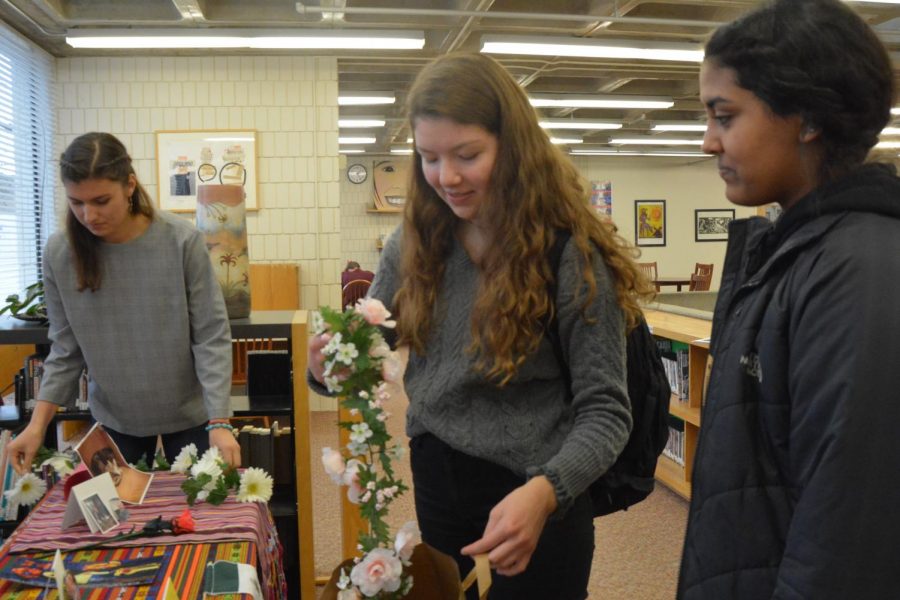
(360, 226)
(290, 101)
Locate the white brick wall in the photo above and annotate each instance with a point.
(290, 101)
(360, 229)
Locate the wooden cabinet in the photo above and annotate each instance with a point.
(285, 324)
(695, 333)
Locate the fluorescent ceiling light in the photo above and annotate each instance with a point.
(365, 98)
(876, 1)
(351, 150)
(401, 150)
(559, 140)
(590, 48)
(679, 126)
(885, 145)
(580, 101)
(409, 140)
(890, 131)
(356, 140)
(361, 123)
(293, 39)
(655, 141)
(610, 152)
(585, 124)
(895, 110)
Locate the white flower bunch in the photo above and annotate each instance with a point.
(29, 489)
(210, 478)
(358, 363)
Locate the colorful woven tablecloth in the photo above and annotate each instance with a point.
(183, 566)
(230, 521)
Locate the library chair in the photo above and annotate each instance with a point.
(649, 270)
(703, 269)
(353, 291)
(700, 282)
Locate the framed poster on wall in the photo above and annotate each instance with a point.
(650, 222)
(712, 225)
(186, 160)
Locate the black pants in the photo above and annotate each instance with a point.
(454, 496)
(134, 447)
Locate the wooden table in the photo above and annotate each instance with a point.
(676, 281)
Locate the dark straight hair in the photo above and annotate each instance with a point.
(97, 156)
(817, 59)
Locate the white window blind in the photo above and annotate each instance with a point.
(27, 160)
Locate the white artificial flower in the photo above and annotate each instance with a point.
(344, 580)
(185, 459)
(407, 539)
(333, 384)
(379, 570)
(351, 480)
(210, 464)
(61, 463)
(360, 432)
(28, 490)
(256, 486)
(202, 495)
(317, 323)
(397, 452)
(332, 346)
(346, 353)
(334, 464)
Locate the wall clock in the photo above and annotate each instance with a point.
(357, 173)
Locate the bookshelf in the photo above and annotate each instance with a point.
(688, 330)
(285, 324)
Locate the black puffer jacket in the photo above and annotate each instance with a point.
(796, 482)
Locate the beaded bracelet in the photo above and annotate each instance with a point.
(212, 426)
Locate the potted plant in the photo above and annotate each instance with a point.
(30, 308)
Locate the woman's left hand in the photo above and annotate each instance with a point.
(229, 448)
(514, 527)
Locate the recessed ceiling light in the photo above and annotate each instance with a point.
(655, 141)
(361, 123)
(612, 152)
(585, 124)
(609, 101)
(885, 145)
(590, 48)
(356, 140)
(679, 126)
(351, 150)
(560, 140)
(365, 98)
(401, 150)
(246, 38)
(890, 131)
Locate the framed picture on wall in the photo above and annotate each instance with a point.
(186, 160)
(650, 222)
(712, 225)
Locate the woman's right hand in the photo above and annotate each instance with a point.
(315, 359)
(23, 448)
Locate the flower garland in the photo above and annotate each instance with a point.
(358, 365)
(210, 478)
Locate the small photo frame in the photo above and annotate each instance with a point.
(186, 160)
(650, 222)
(712, 225)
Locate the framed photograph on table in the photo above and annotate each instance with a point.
(650, 222)
(712, 225)
(186, 160)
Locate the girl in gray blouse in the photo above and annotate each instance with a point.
(131, 295)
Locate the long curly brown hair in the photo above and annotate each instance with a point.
(535, 190)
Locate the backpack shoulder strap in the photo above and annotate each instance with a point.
(551, 328)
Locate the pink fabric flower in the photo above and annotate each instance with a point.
(374, 312)
(379, 570)
(334, 464)
(351, 480)
(407, 539)
(391, 367)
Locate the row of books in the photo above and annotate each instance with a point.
(675, 446)
(28, 385)
(270, 449)
(675, 358)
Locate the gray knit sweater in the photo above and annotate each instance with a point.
(155, 336)
(527, 426)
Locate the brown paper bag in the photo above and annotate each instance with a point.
(435, 576)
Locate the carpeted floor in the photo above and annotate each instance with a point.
(638, 551)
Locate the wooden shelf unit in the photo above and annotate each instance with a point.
(689, 330)
(287, 324)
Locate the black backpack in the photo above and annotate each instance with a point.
(630, 479)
